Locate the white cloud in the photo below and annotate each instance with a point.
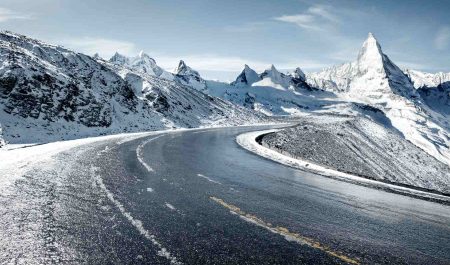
(104, 47)
(442, 39)
(8, 14)
(323, 11)
(302, 20)
(316, 17)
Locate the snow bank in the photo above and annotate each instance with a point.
(248, 141)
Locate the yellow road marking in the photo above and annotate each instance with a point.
(285, 232)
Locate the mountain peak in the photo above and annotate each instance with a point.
(182, 65)
(370, 56)
(119, 59)
(298, 73)
(183, 69)
(248, 76)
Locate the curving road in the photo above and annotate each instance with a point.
(196, 197)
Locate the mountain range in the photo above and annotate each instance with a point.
(48, 93)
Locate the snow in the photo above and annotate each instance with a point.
(209, 179)
(427, 80)
(140, 156)
(56, 94)
(170, 206)
(187, 76)
(248, 76)
(16, 159)
(248, 141)
(375, 80)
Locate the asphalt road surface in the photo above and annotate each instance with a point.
(196, 197)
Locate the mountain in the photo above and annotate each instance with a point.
(247, 77)
(428, 80)
(142, 63)
(272, 92)
(375, 80)
(434, 89)
(185, 75)
(372, 77)
(273, 78)
(49, 93)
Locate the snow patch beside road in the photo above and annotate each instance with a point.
(248, 141)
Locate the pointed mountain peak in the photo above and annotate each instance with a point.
(298, 73)
(370, 56)
(143, 55)
(119, 59)
(183, 69)
(272, 71)
(96, 56)
(182, 65)
(144, 58)
(248, 76)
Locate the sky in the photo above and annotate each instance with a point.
(218, 37)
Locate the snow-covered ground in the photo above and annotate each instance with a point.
(48, 93)
(249, 142)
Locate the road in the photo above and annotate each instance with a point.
(196, 197)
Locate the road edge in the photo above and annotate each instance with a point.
(248, 142)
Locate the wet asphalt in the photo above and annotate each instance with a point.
(111, 209)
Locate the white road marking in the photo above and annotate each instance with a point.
(139, 154)
(170, 206)
(208, 179)
(149, 189)
(163, 252)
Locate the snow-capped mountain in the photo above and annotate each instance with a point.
(271, 92)
(422, 79)
(273, 78)
(142, 63)
(434, 89)
(371, 77)
(187, 76)
(48, 92)
(375, 80)
(247, 77)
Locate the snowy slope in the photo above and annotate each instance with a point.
(361, 146)
(273, 92)
(422, 79)
(142, 63)
(247, 77)
(185, 75)
(50, 93)
(375, 80)
(2, 142)
(434, 89)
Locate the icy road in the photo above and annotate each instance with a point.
(197, 197)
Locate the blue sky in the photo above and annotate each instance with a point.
(218, 37)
